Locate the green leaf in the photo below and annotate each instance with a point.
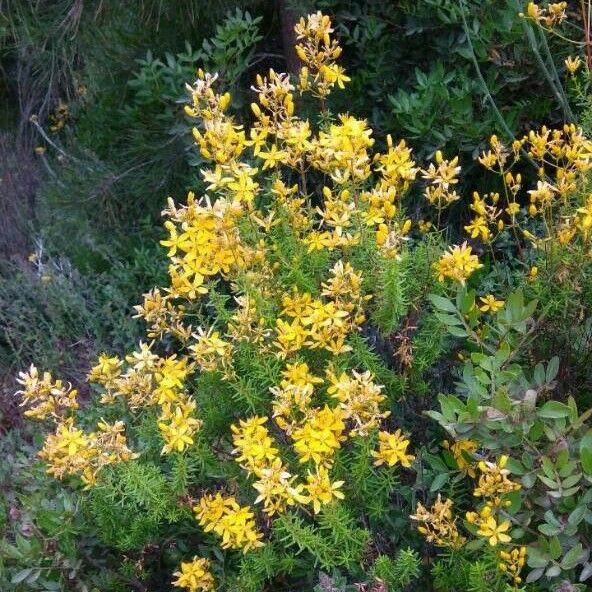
(571, 480)
(553, 410)
(549, 530)
(536, 557)
(436, 463)
(535, 575)
(571, 558)
(552, 368)
(577, 515)
(553, 571)
(586, 452)
(555, 548)
(439, 481)
(539, 374)
(20, 576)
(456, 331)
(447, 319)
(442, 303)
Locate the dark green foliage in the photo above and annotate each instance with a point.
(399, 572)
(413, 68)
(39, 523)
(55, 314)
(131, 505)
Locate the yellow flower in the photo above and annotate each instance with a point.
(572, 65)
(318, 52)
(494, 482)
(359, 399)
(195, 575)
(45, 397)
(106, 370)
(178, 427)
(253, 444)
(276, 488)
(533, 273)
(494, 532)
(233, 523)
(71, 440)
(460, 450)
(458, 263)
(490, 303)
(320, 489)
(512, 562)
(478, 228)
(320, 436)
(438, 524)
(392, 449)
(513, 209)
(273, 157)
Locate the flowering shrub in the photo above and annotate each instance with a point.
(263, 416)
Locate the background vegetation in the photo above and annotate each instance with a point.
(93, 141)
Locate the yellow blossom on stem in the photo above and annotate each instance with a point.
(320, 436)
(177, 427)
(392, 449)
(195, 575)
(494, 482)
(45, 397)
(572, 65)
(233, 523)
(321, 490)
(458, 263)
(253, 444)
(512, 562)
(490, 303)
(276, 488)
(487, 526)
(438, 524)
(359, 399)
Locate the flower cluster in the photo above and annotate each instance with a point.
(359, 400)
(441, 179)
(203, 242)
(554, 14)
(320, 436)
(438, 524)
(562, 156)
(220, 140)
(486, 223)
(318, 52)
(489, 527)
(313, 323)
(293, 397)
(195, 575)
(392, 449)
(45, 397)
(162, 317)
(150, 380)
(512, 562)
(233, 523)
(494, 482)
(71, 451)
(458, 263)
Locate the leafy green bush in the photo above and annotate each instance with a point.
(429, 71)
(331, 394)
